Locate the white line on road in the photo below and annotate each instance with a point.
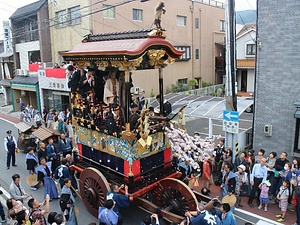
(8, 121)
(270, 222)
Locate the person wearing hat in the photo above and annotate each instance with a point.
(242, 180)
(259, 174)
(32, 162)
(134, 116)
(10, 146)
(264, 196)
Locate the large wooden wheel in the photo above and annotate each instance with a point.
(174, 196)
(93, 189)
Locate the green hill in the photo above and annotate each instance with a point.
(246, 17)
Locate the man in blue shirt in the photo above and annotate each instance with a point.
(259, 174)
(119, 199)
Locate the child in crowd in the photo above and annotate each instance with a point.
(264, 198)
(283, 196)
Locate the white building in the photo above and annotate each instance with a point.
(245, 47)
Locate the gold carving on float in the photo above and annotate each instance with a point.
(157, 33)
(155, 57)
(82, 64)
(171, 60)
(127, 65)
(102, 64)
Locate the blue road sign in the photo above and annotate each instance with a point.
(231, 115)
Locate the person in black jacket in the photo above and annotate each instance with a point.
(87, 82)
(241, 160)
(167, 107)
(73, 78)
(279, 165)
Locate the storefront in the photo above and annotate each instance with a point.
(26, 88)
(54, 91)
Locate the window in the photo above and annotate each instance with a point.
(222, 25)
(187, 55)
(197, 53)
(196, 23)
(250, 49)
(74, 15)
(61, 18)
(182, 81)
(181, 21)
(297, 136)
(137, 14)
(109, 11)
(33, 31)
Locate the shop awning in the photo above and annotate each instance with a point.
(6, 54)
(25, 80)
(23, 126)
(44, 133)
(5, 82)
(297, 113)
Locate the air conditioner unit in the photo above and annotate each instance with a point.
(22, 72)
(268, 130)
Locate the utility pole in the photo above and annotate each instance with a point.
(231, 99)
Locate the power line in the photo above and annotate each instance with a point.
(247, 28)
(53, 19)
(84, 15)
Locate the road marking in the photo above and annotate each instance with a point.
(2, 199)
(8, 121)
(213, 107)
(201, 105)
(263, 219)
(7, 195)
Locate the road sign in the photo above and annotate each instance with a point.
(231, 121)
(231, 115)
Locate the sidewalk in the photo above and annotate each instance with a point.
(266, 218)
(6, 113)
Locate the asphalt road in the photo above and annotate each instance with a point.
(132, 215)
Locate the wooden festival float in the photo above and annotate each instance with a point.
(140, 158)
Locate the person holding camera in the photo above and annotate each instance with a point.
(87, 82)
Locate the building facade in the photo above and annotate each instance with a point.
(6, 62)
(245, 49)
(31, 43)
(53, 88)
(193, 26)
(70, 23)
(276, 116)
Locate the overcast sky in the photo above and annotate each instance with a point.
(8, 7)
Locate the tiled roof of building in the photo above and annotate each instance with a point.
(136, 34)
(25, 80)
(246, 63)
(246, 28)
(27, 9)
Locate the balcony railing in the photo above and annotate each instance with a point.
(27, 36)
(212, 3)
